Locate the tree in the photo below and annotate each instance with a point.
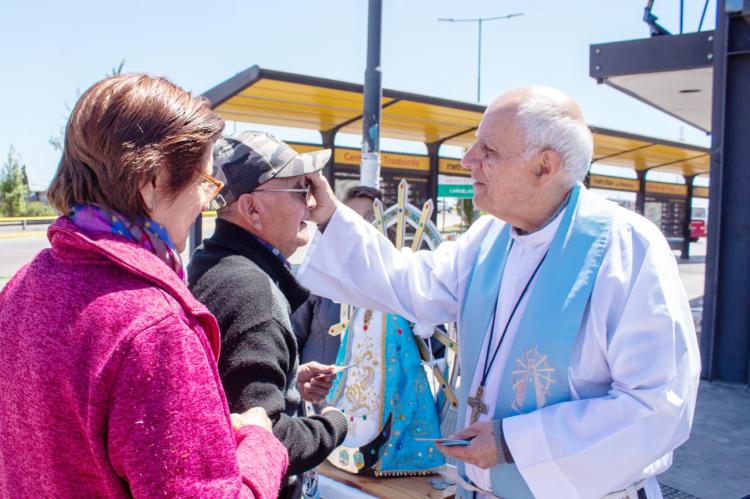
(13, 190)
(467, 212)
(25, 178)
(57, 141)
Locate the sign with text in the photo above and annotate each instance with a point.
(454, 187)
(348, 156)
(449, 166)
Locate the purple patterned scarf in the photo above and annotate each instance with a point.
(147, 233)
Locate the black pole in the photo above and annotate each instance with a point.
(373, 94)
(725, 335)
(703, 15)
(329, 142)
(689, 180)
(682, 14)
(196, 234)
(640, 197)
(433, 150)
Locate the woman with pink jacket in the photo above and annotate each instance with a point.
(108, 367)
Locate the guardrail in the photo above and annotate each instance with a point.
(25, 221)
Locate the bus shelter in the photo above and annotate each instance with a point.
(267, 97)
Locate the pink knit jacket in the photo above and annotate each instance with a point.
(109, 386)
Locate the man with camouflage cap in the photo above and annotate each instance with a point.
(242, 275)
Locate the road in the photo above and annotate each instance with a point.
(18, 248)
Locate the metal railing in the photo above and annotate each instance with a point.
(45, 220)
(26, 221)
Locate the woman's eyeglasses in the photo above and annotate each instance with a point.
(212, 187)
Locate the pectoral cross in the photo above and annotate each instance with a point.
(477, 404)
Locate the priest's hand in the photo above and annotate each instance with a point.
(314, 380)
(325, 200)
(484, 450)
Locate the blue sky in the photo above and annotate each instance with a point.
(50, 50)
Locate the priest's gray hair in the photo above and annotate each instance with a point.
(550, 126)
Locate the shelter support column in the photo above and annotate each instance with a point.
(328, 139)
(725, 335)
(432, 180)
(640, 197)
(689, 180)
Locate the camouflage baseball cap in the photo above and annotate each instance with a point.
(249, 159)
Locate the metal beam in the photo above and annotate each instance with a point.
(625, 151)
(669, 163)
(725, 337)
(233, 86)
(643, 138)
(651, 55)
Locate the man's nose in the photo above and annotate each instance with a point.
(470, 159)
(310, 202)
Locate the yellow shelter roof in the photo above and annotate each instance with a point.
(270, 97)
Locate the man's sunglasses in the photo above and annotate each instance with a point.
(306, 190)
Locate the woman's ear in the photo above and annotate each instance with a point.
(148, 194)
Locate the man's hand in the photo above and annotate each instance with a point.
(325, 200)
(254, 416)
(482, 451)
(314, 380)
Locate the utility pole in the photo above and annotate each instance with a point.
(479, 21)
(373, 95)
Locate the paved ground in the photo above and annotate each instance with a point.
(713, 463)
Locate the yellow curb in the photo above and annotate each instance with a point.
(28, 233)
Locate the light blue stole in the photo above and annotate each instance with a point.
(536, 374)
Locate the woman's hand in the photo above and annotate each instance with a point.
(254, 416)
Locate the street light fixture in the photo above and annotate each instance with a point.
(479, 21)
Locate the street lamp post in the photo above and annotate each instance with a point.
(373, 96)
(479, 21)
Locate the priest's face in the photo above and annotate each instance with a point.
(503, 179)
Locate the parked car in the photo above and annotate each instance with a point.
(698, 222)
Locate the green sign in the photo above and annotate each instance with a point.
(455, 190)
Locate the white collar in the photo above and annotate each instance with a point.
(546, 232)
(539, 236)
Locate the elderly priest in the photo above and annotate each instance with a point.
(579, 360)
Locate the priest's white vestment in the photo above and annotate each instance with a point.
(634, 368)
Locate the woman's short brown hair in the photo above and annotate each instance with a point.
(121, 133)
